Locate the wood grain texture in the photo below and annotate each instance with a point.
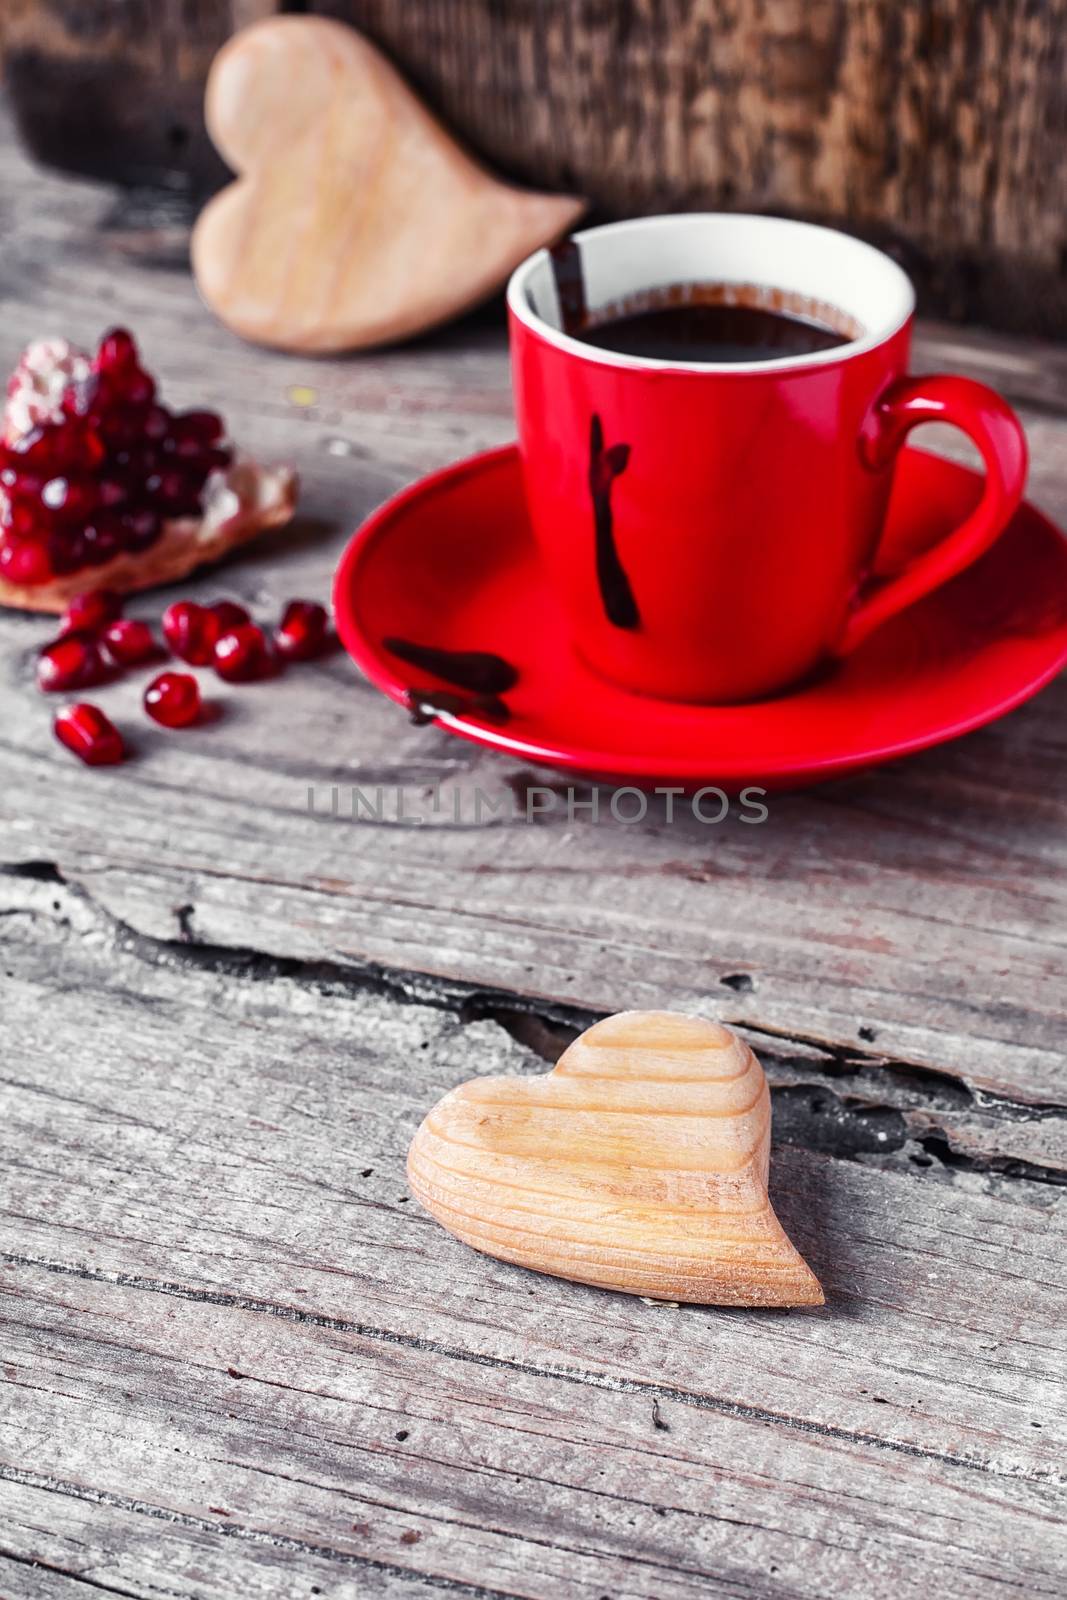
(638, 1163)
(235, 1355)
(910, 916)
(116, 87)
(225, 1010)
(939, 129)
(357, 219)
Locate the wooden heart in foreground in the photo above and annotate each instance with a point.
(638, 1163)
(358, 219)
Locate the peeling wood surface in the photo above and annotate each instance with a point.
(223, 1013)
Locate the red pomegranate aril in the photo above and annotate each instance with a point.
(70, 662)
(191, 631)
(139, 528)
(197, 427)
(71, 499)
(25, 562)
(92, 736)
(25, 484)
(116, 351)
(243, 654)
(156, 423)
(90, 611)
(173, 492)
(173, 699)
(228, 614)
(301, 634)
(138, 388)
(113, 490)
(102, 538)
(24, 520)
(85, 451)
(68, 552)
(129, 643)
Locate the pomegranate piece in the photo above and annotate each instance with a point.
(128, 643)
(90, 464)
(70, 662)
(228, 614)
(173, 699)
(91, 611)
(191, 632)
(301, 634)
(93, 738)
(243, 654)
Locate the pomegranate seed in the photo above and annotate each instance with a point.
(139, 528)
(191, 631)
(93, 737)
(23, 520)
(71, 662)
(71, 499)
(301, 634)
(25, 563)
(27, 484)
(173, 699)
(157, 423)
(102, 539)
(174, 492)
(138, 388)
(228, 614)
(114, 490)
(243, 654)
(67, 552)
(192, 431)
(91, 611)
(116, 351)
(128, 643)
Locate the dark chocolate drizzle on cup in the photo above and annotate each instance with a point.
(477, 670)
(605, 466)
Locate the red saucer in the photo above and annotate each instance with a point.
(450, 563)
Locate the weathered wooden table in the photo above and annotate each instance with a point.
(236, 1359)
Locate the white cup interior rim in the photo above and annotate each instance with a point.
(620, 259)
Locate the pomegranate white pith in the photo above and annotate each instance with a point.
(103, 487)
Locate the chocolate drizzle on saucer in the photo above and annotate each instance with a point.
(570, 286)
(425, 705)
(477, 670)
(604, 467)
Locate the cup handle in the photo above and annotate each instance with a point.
(997, 432)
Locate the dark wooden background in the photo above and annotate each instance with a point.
(937, 128)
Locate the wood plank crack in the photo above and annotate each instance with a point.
(654, 1392)
(236, 1530)
(846, 1101)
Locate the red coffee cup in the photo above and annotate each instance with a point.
(713, 528)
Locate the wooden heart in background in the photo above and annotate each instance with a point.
(638, 1163)
(358, 219)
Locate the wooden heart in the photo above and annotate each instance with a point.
(638, 1163)
(358, 219)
